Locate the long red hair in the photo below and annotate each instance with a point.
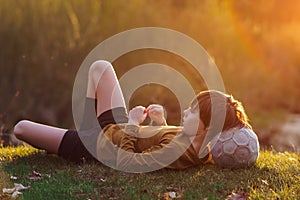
(235, 114)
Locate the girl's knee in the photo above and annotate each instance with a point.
(99, 66)
(99, 69)
(20, 128)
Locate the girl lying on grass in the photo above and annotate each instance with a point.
(118, 140)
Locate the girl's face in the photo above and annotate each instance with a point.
(192, 124)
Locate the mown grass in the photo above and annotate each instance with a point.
(274, 176)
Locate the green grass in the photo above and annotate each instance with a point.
(274, 176)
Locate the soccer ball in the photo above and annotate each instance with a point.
(235, 148)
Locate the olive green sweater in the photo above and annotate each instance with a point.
(145, 148)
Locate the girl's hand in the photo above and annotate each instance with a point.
(156, 113)
(137, 115)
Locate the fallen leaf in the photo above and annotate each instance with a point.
(172, 195)
(19, 187)
(103, 179)
(13, 177)
(166, 196)
(238, 196)
(36, 173)
(37, 176)
(15, 191)
(16, 194)
(8, 190)
(265, 182)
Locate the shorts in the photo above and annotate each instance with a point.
(71, 147)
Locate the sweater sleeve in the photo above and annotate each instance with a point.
(156, 157)
(129, 139)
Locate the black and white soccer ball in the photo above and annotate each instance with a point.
(235, 148)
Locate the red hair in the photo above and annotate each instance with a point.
(235, 115)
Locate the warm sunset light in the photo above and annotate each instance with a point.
(255, 47)
(149, 99)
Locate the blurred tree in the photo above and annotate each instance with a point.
(44, 42)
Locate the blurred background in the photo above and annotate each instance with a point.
(255, 44)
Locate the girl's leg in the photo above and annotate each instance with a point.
(104, 86)
(39, 135)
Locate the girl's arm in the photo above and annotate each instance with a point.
(164, 154)
(171, 152)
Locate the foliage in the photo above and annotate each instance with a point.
(9, 153)
(274, 176)
(44, 42)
